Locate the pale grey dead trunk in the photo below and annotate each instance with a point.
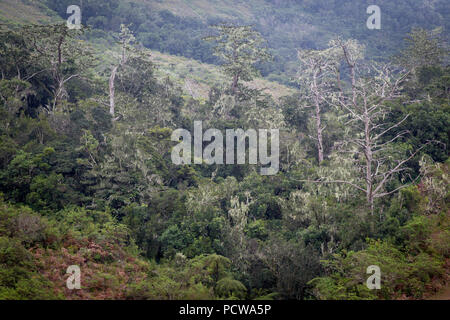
(318, 119)
(112, 78)
(369, 116)
(369, 159)
(316, 72)
(112, 103)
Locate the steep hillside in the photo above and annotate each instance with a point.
(204, 9)
(19, 11)
(178, 26)
(196, 78)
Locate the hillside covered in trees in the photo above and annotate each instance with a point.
(87, 176)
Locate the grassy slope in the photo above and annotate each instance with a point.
(25, 11)
(194, 77)
(227, 9)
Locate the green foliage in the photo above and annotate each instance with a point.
(19, 277)
(402, 275)
(177, 27)
(424, 49)
(230, 288)
(257, 230)
(240, 49)
(80, 186)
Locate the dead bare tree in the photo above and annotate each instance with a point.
(364, 102)
(366, 106)
(63, 55)
(315, 78)
(126, 40)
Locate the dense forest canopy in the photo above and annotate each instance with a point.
(87, 179)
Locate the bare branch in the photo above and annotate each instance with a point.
(390, 128)
(333, 181)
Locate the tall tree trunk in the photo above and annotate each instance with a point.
(234, 84)
(369, 158)
(319, 134)
(112, 103)
(368, 153)
(318, 120)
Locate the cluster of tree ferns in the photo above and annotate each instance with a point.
(86, 175)
(287, 25)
